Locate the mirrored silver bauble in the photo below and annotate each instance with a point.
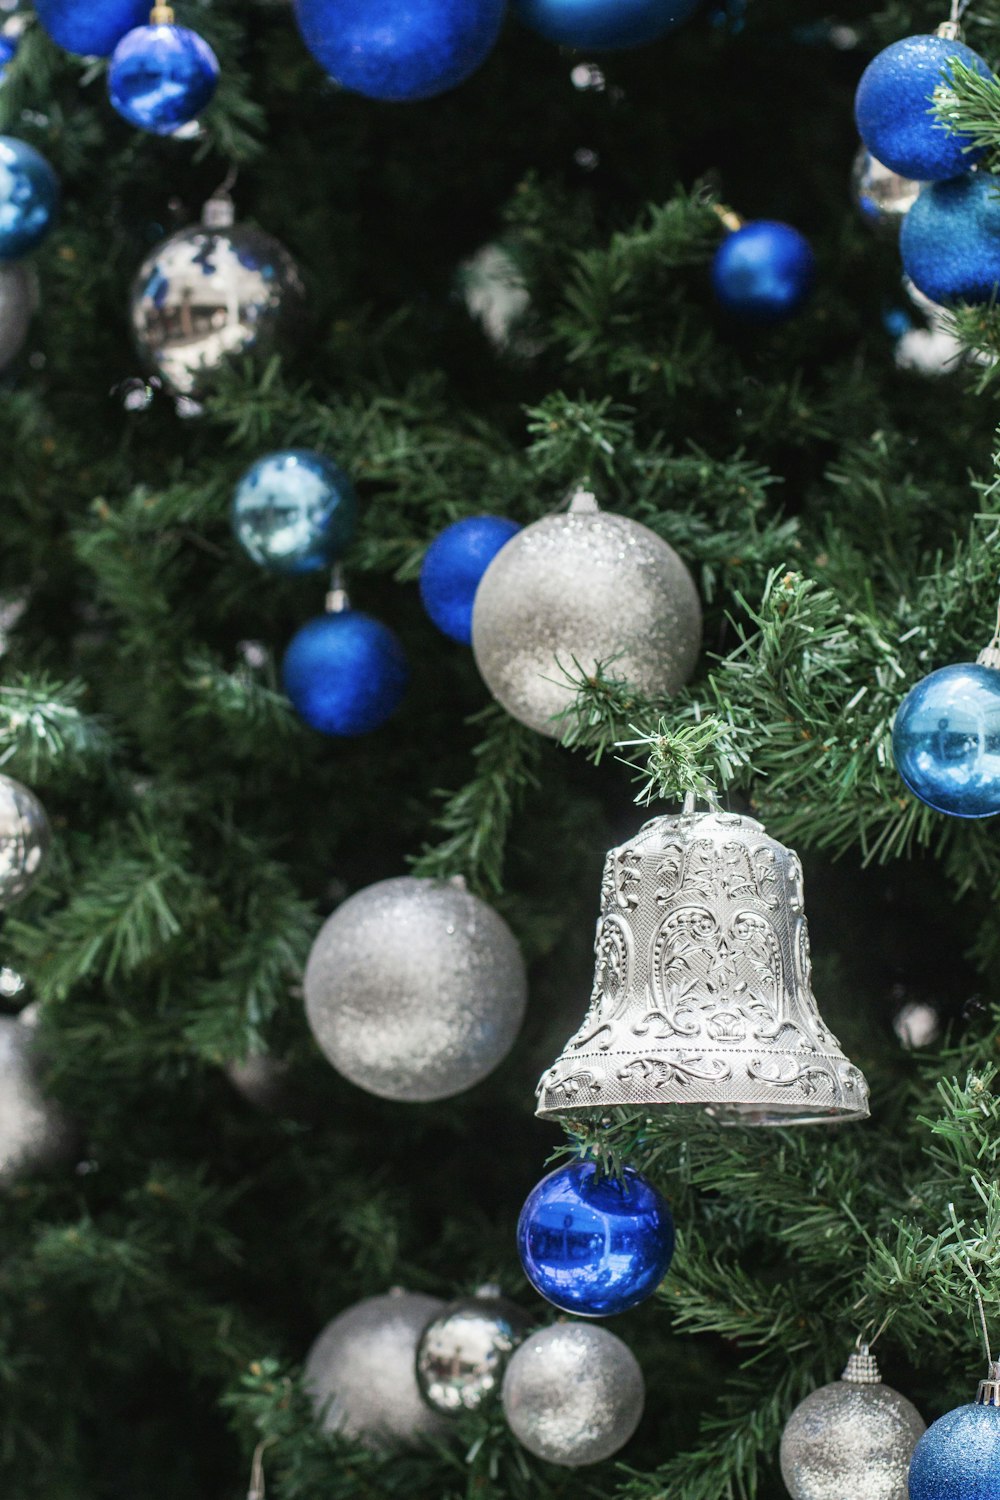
(574, 590)
(883, 198)
(852, 1438)
(361, 1371)
(415, 989)
(573, 1394)
(18, 299)
(24, 839)
(34, 1131)
(463, 1351)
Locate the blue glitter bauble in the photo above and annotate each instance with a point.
(161, 77)
(453, 566)
(958, 1457)
(893, 108)
(946, 741)
(92, 28)
(950, 240)
(594, 1245)
(29, 197)
(295, 511)
(604, 23)
(764, 271)
(398, 50)
(345, 673)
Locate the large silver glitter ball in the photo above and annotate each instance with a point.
(573, 1394)
(18, 298)
(578, 589)
(24, 839)
(34, 1131)
(361, 1371)
(464, 1349)
(415, 989)
(883, 198)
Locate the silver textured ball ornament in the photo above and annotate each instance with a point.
(463, 1351)
(34, 1131)
(573, 1394)
(18, 300)
(24, 839)
(576, 589)
(415, 989)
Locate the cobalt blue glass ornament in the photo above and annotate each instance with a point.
(958, 1457)
(763, 271)
(92, 28)
(950, 240)
(455, 562)
(162, 76)
(8, 52)
(345, 673)
(946, 740)
(595, 1245)
(29, 197)
(893, 107)
(395, 50)
(295, 511)
(604, 23)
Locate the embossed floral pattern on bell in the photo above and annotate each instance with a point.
(702, 985)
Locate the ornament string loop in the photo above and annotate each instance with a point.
(337, 600)
(258, 1485)
(990, 654)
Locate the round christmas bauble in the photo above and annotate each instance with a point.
(893, 108)
(604, 23)
(958, 1457)
(883, 197)
(415, 989)
(8, 52)
(161, 77)
(29, 197)
(91, 28)
(24, 839)
(595, 1245)
(573, 1394)
(345, 673)
(34, 1131)
(946, 740)
(453, 568)
(578, 589)
(763, 272)
(17, 304)
(950, 241)
(295, 511)
(395, 50)
(464, 1350)
(361, 1372)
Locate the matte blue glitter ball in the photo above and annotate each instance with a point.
(893, 108)
(92, 28)
(398, 50)
(345, 673)
(29, 197)
(453, 566)
(958, 1457)
(946, 741)
(764, 271)
(295, 511)
(161, 77)
(950, 240)
(594, 1245)
(608, 24)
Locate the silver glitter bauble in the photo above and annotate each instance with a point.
(361, 1371)
(883, 197)
(34, 1131)
(463, 1351)
(574, 590)
(573, 1394)
(853, 1438)
(24, 839)
(415, 989)
(18, 298)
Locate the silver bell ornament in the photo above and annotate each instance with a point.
(464, 1349)
(415, 989)
(24, 839)
(34, 1131)
(18, 300)
(883, 198)
(573, 1394)
(702, 987)
(854, 1437)
(574, 590)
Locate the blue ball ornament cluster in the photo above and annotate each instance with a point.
(452, 569)
(345, 673)
(946, 740)
(29, 197)
(604, 24)
(958, 1457)
(763, 272)
(294, 511)
(161, 77)
(92, 28)
(950, 240)
(893, 108)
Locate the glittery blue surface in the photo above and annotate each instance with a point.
(455, 562)
(958, 1458)
(400, 49)
(294, 511)
(92, 28)
(595, 1246)
(604, 23)
(160, 77)
(950, 240)
(893, 102)
(946, 740)
(764, 271)
(29, 197)
(345, 673)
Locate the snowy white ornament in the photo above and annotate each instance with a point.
(573, 1394)
(34, 1131)
(24, 839)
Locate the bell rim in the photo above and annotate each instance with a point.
(727, 1115)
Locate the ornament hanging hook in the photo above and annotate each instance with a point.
(258, 1485)
(337, 600)
(865, 1341)
(990, 654)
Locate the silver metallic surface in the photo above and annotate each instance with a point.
(18, 299)
(573, 1394)
(463, 1351)
(415, 989)
(24, 839)
(702, 986)
(34, 1131)
(882, 196)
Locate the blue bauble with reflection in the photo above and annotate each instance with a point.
(92, 28)
(345, 673)
(764, 271)
(610, 24)
(29, 197)
(595, 1245)
(161, 77)
(946, 740)
(894, 108)
(295, 511)
(958, 1457)
(454, 565)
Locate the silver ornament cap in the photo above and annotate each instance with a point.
(34, 1131)
(463, 1351)
(24, 839)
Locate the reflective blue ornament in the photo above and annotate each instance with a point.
(893, 108)
(946, 740)
(92, 28)
(345, 673)
(455, 562)
(958, 1457)
(295, 511)
(950, 240)
(161, 77)
(594, 1245)
(396, 49)
(608, 24)
(764, 271)
(29, 197)
(8, 52)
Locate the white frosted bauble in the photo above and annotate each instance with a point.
(34, 1131)
(573, 1394)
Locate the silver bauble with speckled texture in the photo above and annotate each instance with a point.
(34, 1131)
(24, 839)
(18, 298)
(464, 1349)
(415, 989)
(361, 1371)
(573, 1394)
(883, 197)
(853, 1439)
(574, 590)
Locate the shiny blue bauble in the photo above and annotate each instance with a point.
(893, 109)
(92, 28)
(594, 1245)
(958, 1457)
(29, 197)
(8, 52)
(950, 240)
(764, 271)
(161, 77)
(946, 741)
(295, 511)
(396, 49)
(610, 24)
(345, 673)
(453, 566)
